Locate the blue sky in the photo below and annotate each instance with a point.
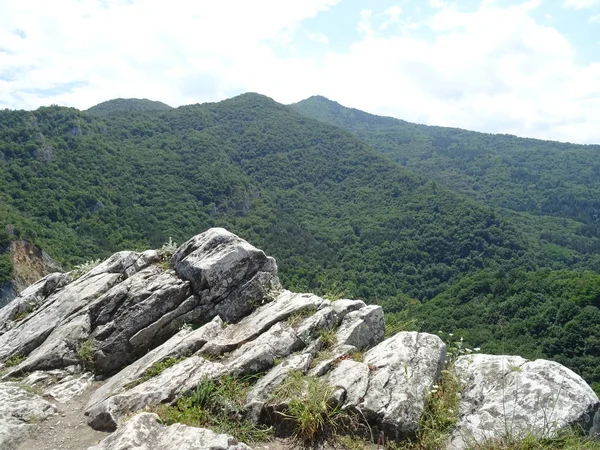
(524, 67)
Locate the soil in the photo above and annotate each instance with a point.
(66, 430)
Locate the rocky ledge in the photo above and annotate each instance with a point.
(151, 330)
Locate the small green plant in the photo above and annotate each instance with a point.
(297, 317)
(86, 354)
(29, 388)
(81, 269)
(167, 251)
(14, 360)
(186, 327)
(22, 315)
(155, 369)
(327, 338)
(219, 405)
(399, 321)
(441, 410)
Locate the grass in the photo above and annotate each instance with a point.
(23, 314)
(14, 360)
(154, 370)
(86, 354)
(328, 338)
(400, 321)
(218, 405)
(440, 414)
(310, 411)
(28, 388)
(297, 317)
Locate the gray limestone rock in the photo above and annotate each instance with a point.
(145, 432)
(226, 271)
(286, 304)
(362, 328)
(19, 409)
(165, 387)
(59, 315)
(182, 344)
(353, 378)
(131, 318)
(402, 370)
(30, 299)
(511, 395)
(70, 387)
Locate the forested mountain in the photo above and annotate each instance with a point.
(546, 187)
(341, 217)
(127, 105)
(540, 177)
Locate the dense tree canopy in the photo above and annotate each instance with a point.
(341, 217)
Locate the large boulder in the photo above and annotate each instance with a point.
(402, 370)
(31, 299)
(509, 396)
(226, 272)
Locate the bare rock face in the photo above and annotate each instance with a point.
(19, 410)
(31, 299)
(511, 395)
(51, 335)
(145, 432)
(226, 271)
(390, 387)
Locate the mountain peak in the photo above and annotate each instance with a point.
(127, 105)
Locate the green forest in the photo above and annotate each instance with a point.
(493, 237)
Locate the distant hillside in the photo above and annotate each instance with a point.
(120, 105)
(341, 218)
(338, 215)
(539, 177)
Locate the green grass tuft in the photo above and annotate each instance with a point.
(218, 405)
(14, 360)
(156, 369)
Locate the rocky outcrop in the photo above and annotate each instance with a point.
(154, 333)
(144, 431)
(20, 409)
(509, 395)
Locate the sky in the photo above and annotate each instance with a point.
(524, 67)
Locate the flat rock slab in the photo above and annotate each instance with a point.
(19, 411)
(511, 395)
(144, 432)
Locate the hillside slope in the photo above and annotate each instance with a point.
(337, 215)
(535, 176)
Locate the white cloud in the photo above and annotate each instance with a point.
(579, 4)
(318, 37)
(594, 19)
(392, 15)
(496, 69)
(139, 47)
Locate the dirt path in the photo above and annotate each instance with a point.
(66, 430)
